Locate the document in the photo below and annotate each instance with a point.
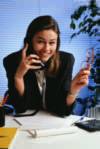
(7, 137)
(42, 120)
(45, 120)
(46, 124)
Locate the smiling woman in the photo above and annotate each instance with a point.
(49, 87)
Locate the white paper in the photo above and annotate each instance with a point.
(41, 120)
(45, 124)
(44, 120)
(52, 132)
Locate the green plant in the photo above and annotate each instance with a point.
(86, 19)
(95, 76)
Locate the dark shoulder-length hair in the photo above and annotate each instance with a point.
(44, 23)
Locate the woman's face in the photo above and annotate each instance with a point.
(45, 43)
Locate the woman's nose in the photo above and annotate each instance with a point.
(46, 47)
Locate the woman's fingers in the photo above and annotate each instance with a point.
(83, 80)
(33, 62)
(34, 67)
(84, 72)
(80, 80)
(24, 51)
(33, 59)
(33, 56)
(83, 76)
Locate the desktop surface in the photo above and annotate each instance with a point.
(78, 140)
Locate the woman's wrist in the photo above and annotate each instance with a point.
(18, 76)
(74, 95)
(19, 84)
(71, 98)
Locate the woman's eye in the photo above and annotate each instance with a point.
(40, 41)
(52, 43)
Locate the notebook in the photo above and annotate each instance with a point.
(7, 136)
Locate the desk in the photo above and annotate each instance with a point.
(79, 140)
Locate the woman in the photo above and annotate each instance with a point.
(39, 75)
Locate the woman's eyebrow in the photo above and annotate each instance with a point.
(39, 37)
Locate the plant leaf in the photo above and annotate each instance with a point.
(80, 24)
(73, 35)
(72, 25)
(77, 13)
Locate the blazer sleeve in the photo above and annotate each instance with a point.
(67, 63)
(10, 64)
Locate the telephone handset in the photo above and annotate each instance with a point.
(29, 51)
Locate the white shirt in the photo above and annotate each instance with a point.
(41, 84)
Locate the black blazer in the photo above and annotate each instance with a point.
(57, 87)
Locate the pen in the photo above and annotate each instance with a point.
(17, 122)
(31, 133)
(82, 117)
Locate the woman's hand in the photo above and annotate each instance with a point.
(80, 80)
(31, 61)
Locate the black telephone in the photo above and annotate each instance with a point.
(89, 125)
(30, 51)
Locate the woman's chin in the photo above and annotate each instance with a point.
(44, 60)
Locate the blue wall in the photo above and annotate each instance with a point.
(15, 15)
